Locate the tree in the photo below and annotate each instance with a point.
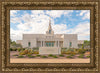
(86, 43)
(13, 43)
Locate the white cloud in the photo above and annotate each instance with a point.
(36, 12)
(82, 29)
(85, 14)
(60, 28)
(13, 12)
(15, 20)
(58, 13)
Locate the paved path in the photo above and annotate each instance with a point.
(50, 60)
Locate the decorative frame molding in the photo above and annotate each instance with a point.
(7, 6)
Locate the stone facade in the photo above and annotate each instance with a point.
(59, 40)
(49, 50)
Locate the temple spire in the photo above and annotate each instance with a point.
(49, 28)
(50, 31)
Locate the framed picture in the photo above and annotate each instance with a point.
(49, 36)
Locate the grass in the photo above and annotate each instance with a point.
(20, 56)
(15, 55)
(30, 56)
(38, 55)
(72, 55)
(88, 56)
(69, 56)
(44, 56)
(81, 56)
(55, 56)
(61, 55)
(50, 55)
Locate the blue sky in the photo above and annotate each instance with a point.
(62, 21)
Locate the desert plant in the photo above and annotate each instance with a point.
(81, 51)
(63, 52)
(23, 52)
(30, 50)
(35, 52)
(20, 56)
(61, 55)
(29, 53)
(44, 56)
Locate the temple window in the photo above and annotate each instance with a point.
(70, 44)
(29, 44)
(50, 44)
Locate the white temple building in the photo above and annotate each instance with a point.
(49, 40)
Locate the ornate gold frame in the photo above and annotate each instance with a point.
(6, 6)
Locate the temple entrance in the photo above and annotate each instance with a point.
(49, 44)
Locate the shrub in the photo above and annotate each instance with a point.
(63, 52)
(61, 55)
(81, 56)
(11, 49)
(29, 53)
(20, 56)
(19, 49)
(69, 56)
(55, 57)
(44, 56)
(81, 51)
(50, 55)
(88, 56)
(30, 50)
(38, 55)
(15, 49)
(23, 48)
